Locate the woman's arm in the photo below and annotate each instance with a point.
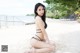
(40, 23)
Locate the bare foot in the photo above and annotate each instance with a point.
(32, 50)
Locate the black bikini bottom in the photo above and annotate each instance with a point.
(38, 38)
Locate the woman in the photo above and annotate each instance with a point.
(40, 42)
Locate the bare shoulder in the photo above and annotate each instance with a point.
(38, 19)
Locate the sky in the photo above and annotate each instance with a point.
(18, 7)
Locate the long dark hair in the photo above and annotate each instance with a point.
(44, 15)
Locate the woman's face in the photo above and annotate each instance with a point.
(40, 10)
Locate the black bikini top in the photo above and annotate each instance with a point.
(38, 31)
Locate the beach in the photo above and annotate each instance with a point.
(64, 33)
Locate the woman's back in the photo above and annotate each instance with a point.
(39, 23)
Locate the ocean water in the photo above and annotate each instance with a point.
(15, 20)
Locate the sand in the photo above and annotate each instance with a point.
(66, 35)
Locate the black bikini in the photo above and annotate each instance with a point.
(39, 31)
(38, 38)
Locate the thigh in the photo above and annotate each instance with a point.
(39, 44)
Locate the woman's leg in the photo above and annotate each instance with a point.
(43, 47)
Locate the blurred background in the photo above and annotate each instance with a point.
(17, 24)
(18, 11)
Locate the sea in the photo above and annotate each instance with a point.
(15, 20)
